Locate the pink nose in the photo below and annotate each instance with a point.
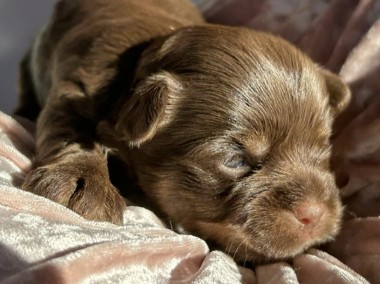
(309, 213)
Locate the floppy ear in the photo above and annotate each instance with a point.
(143, 114)
(338, 91)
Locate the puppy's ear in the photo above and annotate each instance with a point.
(338, 91)
(143, 114)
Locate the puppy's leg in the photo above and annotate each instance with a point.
(28, 106)
(70, 167)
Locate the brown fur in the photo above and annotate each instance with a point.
(226, 130)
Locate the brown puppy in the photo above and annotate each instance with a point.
(225, 129)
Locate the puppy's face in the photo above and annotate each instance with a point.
(231, 130)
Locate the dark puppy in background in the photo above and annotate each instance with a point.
(226, 130)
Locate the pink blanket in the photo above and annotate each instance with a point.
(43, 242)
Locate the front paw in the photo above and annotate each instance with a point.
(81, 184)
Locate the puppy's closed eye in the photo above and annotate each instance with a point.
(236, 162)
(239, 165)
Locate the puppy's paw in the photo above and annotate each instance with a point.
(81, 184)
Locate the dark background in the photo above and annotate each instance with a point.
(20, 20)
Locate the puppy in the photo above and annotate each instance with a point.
(226, 130)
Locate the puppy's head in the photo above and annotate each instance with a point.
(230, 133)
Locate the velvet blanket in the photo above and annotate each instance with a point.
(43, 242)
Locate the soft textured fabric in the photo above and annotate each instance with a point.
(43, 242)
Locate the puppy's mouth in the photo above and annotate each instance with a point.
(264, 239)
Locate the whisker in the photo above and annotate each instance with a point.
(237, 250)
(171, 225)
(229, 249)
(245, 251)
(231, 243)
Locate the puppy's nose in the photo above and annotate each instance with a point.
(309, 213)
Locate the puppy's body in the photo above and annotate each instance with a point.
(225, 129)
(71, 69)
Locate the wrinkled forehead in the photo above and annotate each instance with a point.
(237, 79)
(283, 99)
(272, 98)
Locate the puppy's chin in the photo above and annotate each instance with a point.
(275, 224)
(265, 239)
